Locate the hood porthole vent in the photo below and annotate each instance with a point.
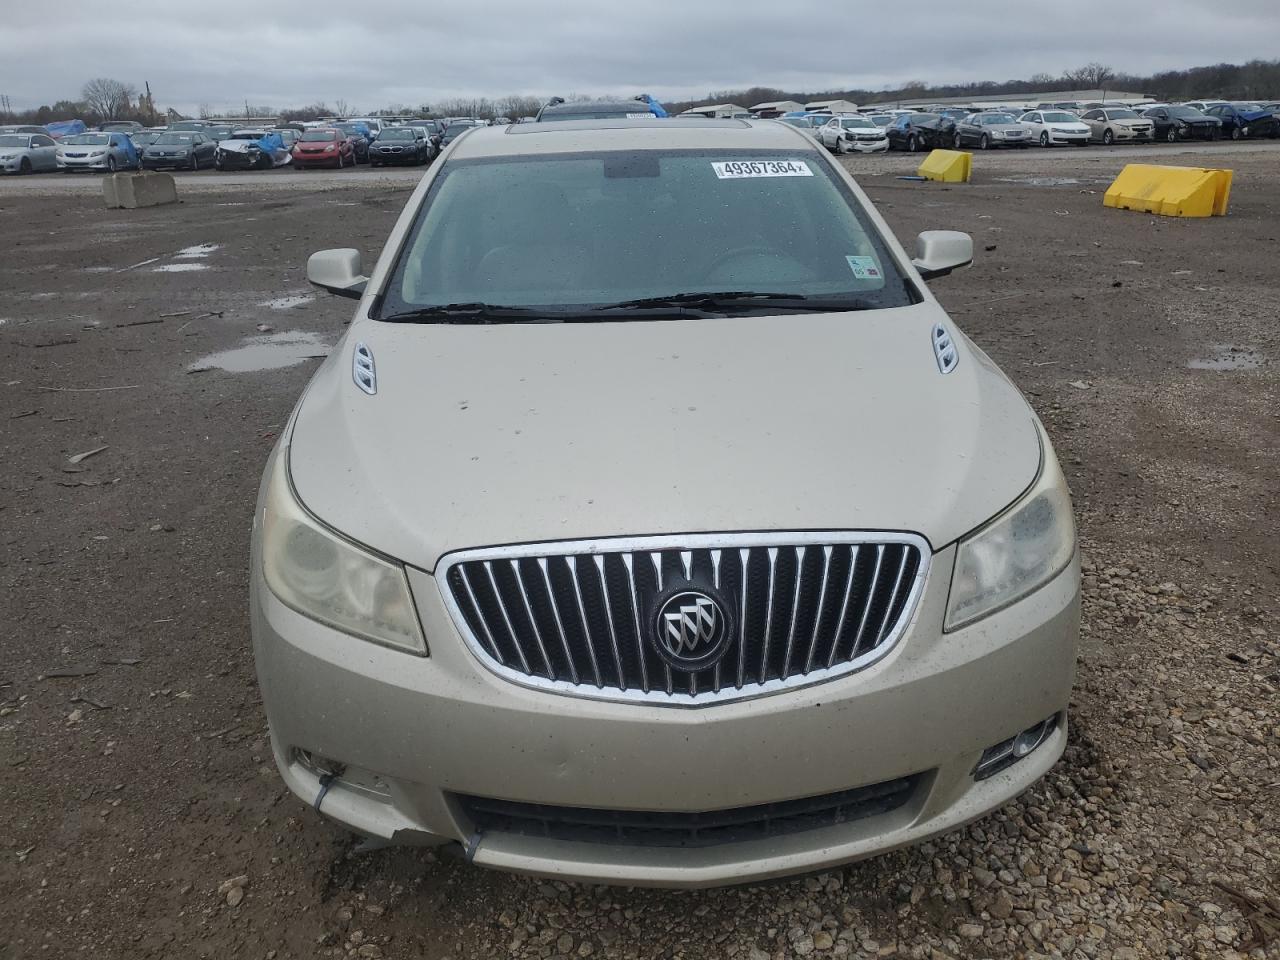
(944, 349)
(363, 371)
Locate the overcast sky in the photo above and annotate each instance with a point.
(371, 54)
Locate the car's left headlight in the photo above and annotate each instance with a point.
(1020, 550)
(326, 577)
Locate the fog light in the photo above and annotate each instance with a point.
(1008, 752)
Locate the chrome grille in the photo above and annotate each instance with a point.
(578, 617)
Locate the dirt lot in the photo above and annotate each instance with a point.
(135, 776)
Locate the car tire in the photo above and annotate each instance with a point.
(913, 145)
(1044, 138)
(24, 166)
(1235, 133)
(111, 164)
(1172, 135)
(842, 146)
(956, 142)
(1108, 138)
(984, 143)
(195, 161)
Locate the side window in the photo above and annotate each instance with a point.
(1093, 115)
(44, 142)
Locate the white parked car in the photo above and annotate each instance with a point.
(1052, 127)
(850, 134)
(1111, 124)
(652, 522)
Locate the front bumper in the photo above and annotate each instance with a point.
(231, 160)
(11, 166)
(867, 146)
(318, 160)
(1063, 139)
(165, 163)
(417, 733)
(405, 157)
(1122, 134)
(82, 163)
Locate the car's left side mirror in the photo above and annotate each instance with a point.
(338, 271)
(938, 252)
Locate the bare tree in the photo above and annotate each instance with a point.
(342, 108)
(108, 98)
(515, 105)
(1092, 76)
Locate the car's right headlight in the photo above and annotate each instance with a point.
(1020, 550)
(328, 578)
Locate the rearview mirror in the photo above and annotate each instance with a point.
(938, 252)
(339, 271)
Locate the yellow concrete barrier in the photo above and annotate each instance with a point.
(1171, 191)
(949, 166)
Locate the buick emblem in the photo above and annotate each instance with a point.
(691, 629)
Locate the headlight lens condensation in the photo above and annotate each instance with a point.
(326, 577)
(1022, 549)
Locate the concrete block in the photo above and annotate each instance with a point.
(127, 191)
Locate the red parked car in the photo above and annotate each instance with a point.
(324, 148)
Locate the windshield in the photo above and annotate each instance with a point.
(1248, 106)
(851, 123)
(1060, 118)
(400, 134)
(14, 140)
(88, 140)
(569, 234)
(1122, 115)
(176, 138)
(187, 125)
(991, 119)
(319, 136)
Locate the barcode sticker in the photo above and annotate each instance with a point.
(744, 169)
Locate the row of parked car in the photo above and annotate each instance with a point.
(1047, 125)
(197, 144)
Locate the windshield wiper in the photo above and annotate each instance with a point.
(464, 313)
(480, 313)
(742, 300)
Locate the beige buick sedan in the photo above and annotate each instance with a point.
(653, 524)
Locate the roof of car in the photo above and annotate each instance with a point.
(568, 136)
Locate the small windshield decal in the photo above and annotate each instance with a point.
(865, 268)
(743, 169)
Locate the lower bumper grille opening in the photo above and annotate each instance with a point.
(688, 830)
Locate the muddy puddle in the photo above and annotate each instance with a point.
(1227, 356)
(1042, 181)
(273, 352)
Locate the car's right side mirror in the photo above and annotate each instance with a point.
(338, 271)
(938, 252)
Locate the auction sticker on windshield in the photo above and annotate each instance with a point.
(743, 169)
(865, 268)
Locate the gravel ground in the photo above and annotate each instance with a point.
(141, 816)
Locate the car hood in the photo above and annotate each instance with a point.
(167, 148)
(315, 144)
(486, 435)
(1130, 122)
(1253, 114)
